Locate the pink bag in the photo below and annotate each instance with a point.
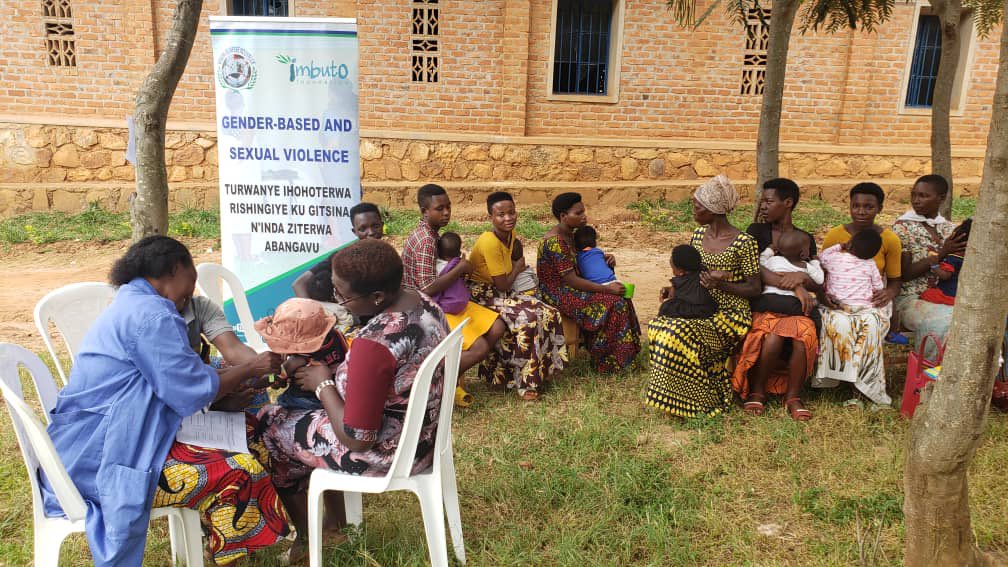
(916, 380)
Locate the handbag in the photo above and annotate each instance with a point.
(916, 379)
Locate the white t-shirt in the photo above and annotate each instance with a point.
(781, 265)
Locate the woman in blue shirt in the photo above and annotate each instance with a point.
(134, 379)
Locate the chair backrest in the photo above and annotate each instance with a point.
(449, 351)
(210, 282)
(72, 309)
(36, 447)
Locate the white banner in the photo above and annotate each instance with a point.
(288, 147)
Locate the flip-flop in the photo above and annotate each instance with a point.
(797, 414)
(529, 396)
(463, 399)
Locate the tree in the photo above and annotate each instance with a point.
(951, 16)
(946, 431)
(149, 206)
(830, 15)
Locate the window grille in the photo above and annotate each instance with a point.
(57, 22)
(754, 58)
(270, 8)
(924, 65)
(581, 53)
(424, 52)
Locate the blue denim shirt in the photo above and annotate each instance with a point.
(134, 378)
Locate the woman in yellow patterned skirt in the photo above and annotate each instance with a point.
(689, 357)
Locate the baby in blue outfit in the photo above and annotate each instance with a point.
(591, 261)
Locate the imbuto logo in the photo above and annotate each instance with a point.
(312, 71)
(236, 69)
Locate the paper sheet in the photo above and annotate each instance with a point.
(216, 430)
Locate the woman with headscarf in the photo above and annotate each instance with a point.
(689, 357)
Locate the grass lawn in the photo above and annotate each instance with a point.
(588, 476)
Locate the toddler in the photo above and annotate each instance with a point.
(304, 331)
(852, 276)
(455, 297)
(320, 288)
(947, 272)
(687, 298)
(591, 260)
(527, 282)
(787, 258)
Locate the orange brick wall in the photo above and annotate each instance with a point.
(676, 83)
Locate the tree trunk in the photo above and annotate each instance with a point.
(946, 431)
(950, 14)
(149, 206)
(768, 139)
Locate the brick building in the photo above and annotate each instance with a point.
(609, 97)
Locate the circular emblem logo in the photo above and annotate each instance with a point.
(236, 69)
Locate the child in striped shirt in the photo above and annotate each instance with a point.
(852, 277)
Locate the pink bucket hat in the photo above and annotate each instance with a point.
(298, 326)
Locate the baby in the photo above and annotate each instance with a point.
(591, 261)
(687, 298)
(304, 331)
(527, 282)
(320, 288)
(852, 277)
(947, 272)
(455, 297)
(788, 259)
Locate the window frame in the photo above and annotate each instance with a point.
(967, 48)
(226, 10)
(613, 66)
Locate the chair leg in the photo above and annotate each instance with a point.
(432, 507)
(176, 535)
(316, 511)
(193, 537)
(353, 504)
(451, 504)
(47, 547)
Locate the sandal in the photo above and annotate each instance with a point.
(797, 413)
(853, 403)
(463, 399)
(755, 404)
(529, 396)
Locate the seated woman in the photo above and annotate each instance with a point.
(608, 320)
(851, 341)
(365, 398)
(532, 350)
(114, 424)
(689, 357)
(925, 239)
(779, 352)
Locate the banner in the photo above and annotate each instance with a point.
(288, 147)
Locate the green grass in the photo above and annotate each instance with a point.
(588, 476)
(813, 215)
(99, 225)
(963, 208)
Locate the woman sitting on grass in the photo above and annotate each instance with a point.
(689, 357)
(608, 320)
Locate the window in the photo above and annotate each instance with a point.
(61, 49)
(587, 40)
(754, 57)
(924, 67)
(277, 8)
(424, 55)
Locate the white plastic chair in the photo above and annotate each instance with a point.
(436, 489)
(71, 308)
(39, 454)
(210, 282)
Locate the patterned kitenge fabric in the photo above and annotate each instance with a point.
(799, 329)
(608, 322)
(233, 493)
(922, 317)
(851, 350)
(689, 357)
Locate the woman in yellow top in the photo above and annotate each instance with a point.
(532, 350)
(850, 344)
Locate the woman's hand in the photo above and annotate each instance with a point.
(665, 293)
(610, 261)
(830, 302)
(235, 401)
(615, 288)
(941, 274)
(518, 265)
(883, 296)
(266, 363)
(308, 377)
(712, 279)
(792, 280)
(955, 244)
(807, 300)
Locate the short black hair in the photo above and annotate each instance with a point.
(868, 188)
(585, 237)
(937, 181)
(427, 192)
(320, 286)
(151, 257)
(362, 208)
(785, 189)
(685, 257)
(497, 197)
(563, 202)
(368, 266)
(449, 245)
(964, 228)
(866, 244)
